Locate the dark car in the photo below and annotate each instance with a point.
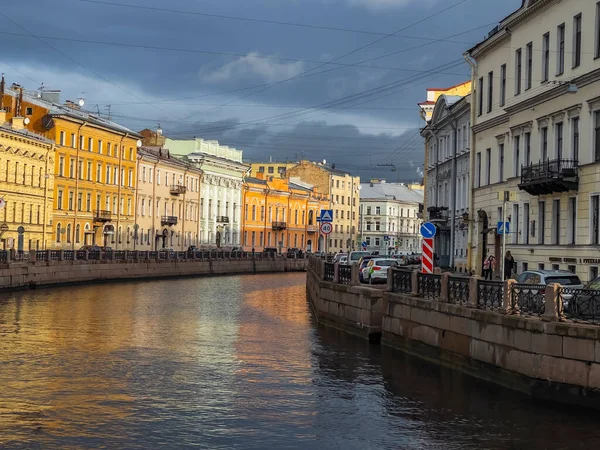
(270, 250)
(192, 248)
(294, 253)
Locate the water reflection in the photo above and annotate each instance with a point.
(237, 362)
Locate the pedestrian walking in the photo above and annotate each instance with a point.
(509, 265)
(489, 266)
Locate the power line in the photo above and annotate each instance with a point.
(250, 19)
(344, 55)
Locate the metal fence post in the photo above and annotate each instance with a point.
(553, 300)
(444, 294)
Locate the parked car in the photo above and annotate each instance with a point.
(377, 268)
(343, 260)
(270, 250)
(294, 253)
(546, 277)
(362, 263)
(192, 248)
(354, 257)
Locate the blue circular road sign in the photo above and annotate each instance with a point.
(428, 230)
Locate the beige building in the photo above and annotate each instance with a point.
(26, 187)
(536, 134)
(343, 190)
(270, 169)
(167, 203)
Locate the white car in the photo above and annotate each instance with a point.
(376, 270)
(343, 260)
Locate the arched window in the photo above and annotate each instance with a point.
(310, 217)
(68, 233)
(58, 232)
(120, 238)
(128, 235)
(77, 232)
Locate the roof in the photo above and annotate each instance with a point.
(448, 88)
(451, 99)
(255, 181)
(390, 191)
(26, 133)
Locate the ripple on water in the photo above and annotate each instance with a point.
(237, 362)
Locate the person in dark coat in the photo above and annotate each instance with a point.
(509, 265)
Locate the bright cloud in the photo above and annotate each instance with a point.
(270, 70)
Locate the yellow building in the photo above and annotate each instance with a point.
(270, 169)
(94, 170)
(426, 107)
(26, 161)
(279, 213)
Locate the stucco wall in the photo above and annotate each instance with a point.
(23, 275)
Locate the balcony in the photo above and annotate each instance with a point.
(222, 219)
(102, 216)
(558, 175)
(168, 220)
(311, 228)
(438, 213)
(178, 189)
(279, 226)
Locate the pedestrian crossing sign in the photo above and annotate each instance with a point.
(503, 228)
(326, 215)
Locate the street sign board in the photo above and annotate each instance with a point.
(326, 228)
(427, 259)
(503, 228)
(428, 230)
(386, 238)
(326, 215)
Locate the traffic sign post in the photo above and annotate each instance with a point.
(427, 257)
(326, 228)
(364, 246)
(428, 230)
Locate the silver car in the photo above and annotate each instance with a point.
(546, 277)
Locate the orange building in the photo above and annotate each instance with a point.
(282, 214)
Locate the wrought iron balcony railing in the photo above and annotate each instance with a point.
(178, 189)
(222, 219)
(168, 220)
(102, 216)
(546, 177)
(279, 226)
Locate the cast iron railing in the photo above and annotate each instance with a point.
(528, 299)
(580, 305)
(344, 274)
(429, 285)
(490, 294)
(329, 271)
(401, 281)
(458, 290)
(69, 255)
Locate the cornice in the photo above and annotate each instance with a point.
(499, 120)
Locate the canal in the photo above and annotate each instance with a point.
(238, 362)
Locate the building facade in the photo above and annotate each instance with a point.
(537, 137)
(26, 187)
(270, 169)
(389, 222)
(221, 188)
(167, 203)
(447, 137)
(343, 191)
(94, 170)
(282, 214)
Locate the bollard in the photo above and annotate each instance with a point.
(444, 295)
(553, 303)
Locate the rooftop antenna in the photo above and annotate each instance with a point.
(41, 89)
(98, 109)
(107, 107)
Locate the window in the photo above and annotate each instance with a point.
(575, 137)
(89, 171)
(61, 166)
(245, 211)
(577, 41)
(555, 266)
(525, 266)
(515, 221)
(81, 142)
(502, 84)
(541, 266)
(90, 144)
(88, 202)
(544, 140)
(62, 138)
(572, 217)
(71, 168)
(59, 200)
(368, 226)
(556, 222)
(545, 57)
(527, 149)
(271, 169)
(525, 223)
(488, 173)
(377, 242)
(73, 141)
(560, 50)
(79, 200)
(253, 212)
(490, 91)
(518, 71)
(501, 163)
(597, 136)
(69, 233)
(377, 226)
(108, 148)
(517, 155)
(368, 210)
(480, 97)
(529, 68)
(478, 168)
(542, 222)
(559, 140)
(595, 219)
(80, 169)
(377, 210)
(70, 200)
(100, 147)
(593, 273)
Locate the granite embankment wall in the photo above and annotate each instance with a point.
(544, 355)
(19, 275)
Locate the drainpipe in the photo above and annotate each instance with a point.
(76, 183)
(121, 150)
(471, 236)
(46, 177)
(453, 124)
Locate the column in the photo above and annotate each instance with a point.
(204, 219)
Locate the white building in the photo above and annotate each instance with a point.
(537, 135)
(447, 137)
(221, 188)
(389, 220)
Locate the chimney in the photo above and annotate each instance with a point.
(51, 96)
(18, 123)
(71, 104)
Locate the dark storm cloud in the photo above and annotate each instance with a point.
(138, 81)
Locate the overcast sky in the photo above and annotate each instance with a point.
(274, 86)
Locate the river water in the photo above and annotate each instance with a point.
(238, 362)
